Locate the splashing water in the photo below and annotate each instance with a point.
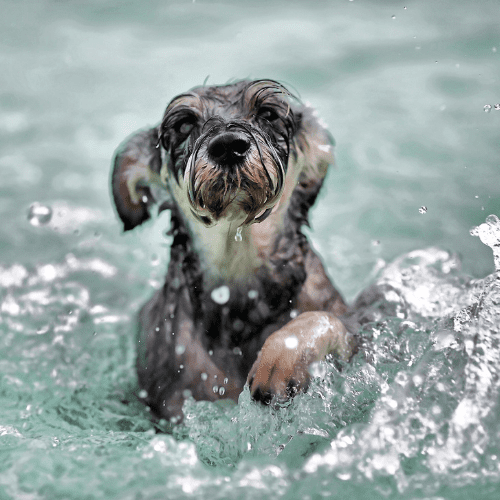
(413, 416)
(489, 234)
(39, 215)
(221, 294)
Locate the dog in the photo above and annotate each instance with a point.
(246, 300)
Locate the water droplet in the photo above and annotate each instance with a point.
(220, 295)
(294, 313)
(143, 394)
(291, 342)
(238, 236)
(237, 351)
(226, 380)
(39, 215)
(375, 243)
(144, 199)
(204, 376)
(423, 209)
(186, 393)
(393, 17)
(215, 388)
(253, 294)
(497, 106)
(222, 391)
(487, 108)
(493, 49)
(318, 369)
(180, 349)
(155, 259)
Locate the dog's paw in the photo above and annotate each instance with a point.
(282, 366)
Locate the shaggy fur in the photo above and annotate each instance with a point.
(245, 162)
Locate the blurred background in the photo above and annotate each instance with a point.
(402, 85)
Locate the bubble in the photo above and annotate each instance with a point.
(487, 108)
(226, 380)
(423, 209)
(393, 17)
(238, 236)
(237, 351)
(39, 215)
(143, 394)
(497, 106)
(291, 342)
(294, 313)
(215, 388)
(222, 391)
(220, 295)
(204, 376)
(144, 199)
(186, 393)
(180, 349)
(253, 294)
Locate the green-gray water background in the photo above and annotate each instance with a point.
(403, 87)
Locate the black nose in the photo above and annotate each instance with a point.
(228, 148)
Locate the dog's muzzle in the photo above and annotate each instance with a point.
(234, 167)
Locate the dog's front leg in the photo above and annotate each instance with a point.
(173, 363)
(282, 366)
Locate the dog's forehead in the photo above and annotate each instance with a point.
(233, 100)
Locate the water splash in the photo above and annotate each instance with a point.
(489, 234)
(238, 236)
(221, 294)
(39, 215)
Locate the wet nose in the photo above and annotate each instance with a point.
(228, 148)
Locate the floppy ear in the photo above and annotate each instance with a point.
(135, 175)
(314, 144)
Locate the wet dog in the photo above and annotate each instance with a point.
(245, 299)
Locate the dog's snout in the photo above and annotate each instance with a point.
(228, 148)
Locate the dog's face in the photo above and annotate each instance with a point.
(227, 149)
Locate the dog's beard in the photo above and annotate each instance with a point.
(253, 186)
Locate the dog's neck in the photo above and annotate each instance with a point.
(232, 254)
(229, 255)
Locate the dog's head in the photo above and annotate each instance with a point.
(228, 147)
(222, 152)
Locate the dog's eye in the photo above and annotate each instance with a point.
(268, 114)
(184, 127)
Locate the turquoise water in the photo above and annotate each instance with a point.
(403, 91)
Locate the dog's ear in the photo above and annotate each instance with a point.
(135, 173)
(313, 143)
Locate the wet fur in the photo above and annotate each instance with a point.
(188, 344)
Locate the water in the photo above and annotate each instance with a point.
(402, 87)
